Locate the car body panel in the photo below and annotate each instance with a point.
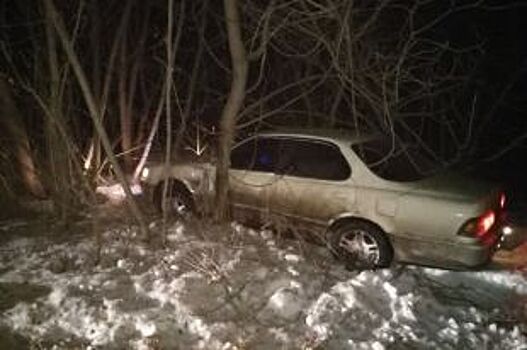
(317, 200)
(249, 194)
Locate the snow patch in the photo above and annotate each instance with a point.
(257, 293)
(115, 193)
(146, 328)
(287, 302)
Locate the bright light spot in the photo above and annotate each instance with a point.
(507, 230)
(485, 222)
(145, 173)
(116, 193)
(292, 258)
(503, 199)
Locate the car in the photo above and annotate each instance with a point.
(370, 199)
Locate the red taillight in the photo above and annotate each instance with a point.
(503, 199)
(485, 222)
(480, 226)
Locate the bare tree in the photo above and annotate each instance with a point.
(12, 121)
(93, 109)
(125, 79)
(233, 105)
(367, 66)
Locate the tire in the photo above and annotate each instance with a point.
(360, 245)
(179, 201)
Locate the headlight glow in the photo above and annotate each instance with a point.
(144, 173)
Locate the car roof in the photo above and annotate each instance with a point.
(345, 136)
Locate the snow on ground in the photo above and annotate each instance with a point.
(236, 288)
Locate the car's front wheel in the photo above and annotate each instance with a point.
(178, 202)
(360, 245)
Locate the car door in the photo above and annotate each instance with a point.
(313, 184)
(251, 177)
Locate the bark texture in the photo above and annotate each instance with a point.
(232, 107)
(12, 122)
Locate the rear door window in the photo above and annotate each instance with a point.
(313, 159)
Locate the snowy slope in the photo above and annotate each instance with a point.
(236, 288)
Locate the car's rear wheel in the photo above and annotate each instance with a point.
(179, 202)
(360, 245)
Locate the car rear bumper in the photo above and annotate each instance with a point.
(462, 252)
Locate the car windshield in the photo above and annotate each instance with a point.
(393, 160)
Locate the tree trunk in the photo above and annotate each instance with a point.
(57, 159)
(124, 111)
(93, 160)
(232, 106)
(94, 113)
(12, 122)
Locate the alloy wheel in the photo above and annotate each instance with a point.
(361, 246)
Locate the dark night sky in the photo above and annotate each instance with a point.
(504, 66)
